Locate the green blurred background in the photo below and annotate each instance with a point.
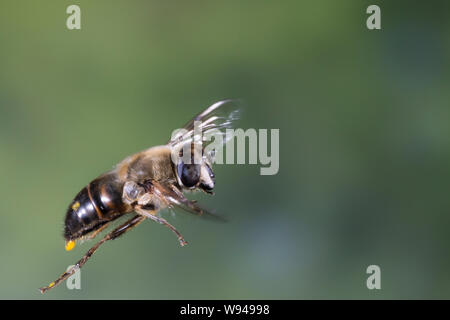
(364, 145)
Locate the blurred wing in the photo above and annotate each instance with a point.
(175, 198)
(212, 122)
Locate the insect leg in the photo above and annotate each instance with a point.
(149, 214)
(133, 222)
(96, 232)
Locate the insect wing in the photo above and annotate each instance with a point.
(212, 122)
(175, 198)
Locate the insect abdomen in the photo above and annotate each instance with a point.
(96, 204)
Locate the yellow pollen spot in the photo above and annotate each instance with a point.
(70, 245)
(75, 206)
(51, 284)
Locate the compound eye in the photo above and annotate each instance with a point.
(189, 174)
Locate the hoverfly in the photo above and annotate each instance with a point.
(146, 182)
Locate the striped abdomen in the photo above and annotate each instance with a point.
(96, 204)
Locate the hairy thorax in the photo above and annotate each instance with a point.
(151, 164)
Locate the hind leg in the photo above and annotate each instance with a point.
(133, 222)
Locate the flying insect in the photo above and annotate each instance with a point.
(146, 182)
